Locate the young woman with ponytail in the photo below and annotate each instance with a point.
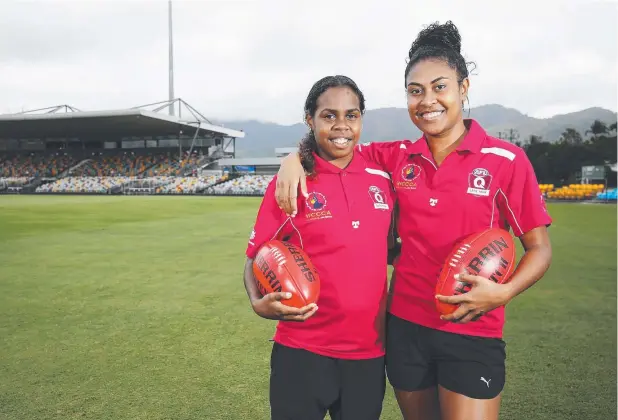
(330, 357)
(454, 181)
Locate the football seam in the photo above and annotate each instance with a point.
(511, 265)
(278, 256)
(295, 284)
(459, 254)
(464, 248)
(282, 261)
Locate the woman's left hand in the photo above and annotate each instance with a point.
(484, 296)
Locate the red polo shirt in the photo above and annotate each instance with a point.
(485, 183)
(343, 227)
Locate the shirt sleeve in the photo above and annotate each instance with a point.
(270, 222)
(521, 201)
(383, 154)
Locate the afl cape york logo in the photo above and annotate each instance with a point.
(409, 175)
(478, 182)
(316, 205)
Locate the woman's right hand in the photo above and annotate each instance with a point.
(270, 307)
(290, 174)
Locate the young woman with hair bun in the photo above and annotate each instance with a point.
(454, 181)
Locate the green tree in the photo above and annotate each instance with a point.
(540, 154)
(597, 128)
(571, 136)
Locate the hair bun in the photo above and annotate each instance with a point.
(437, 36)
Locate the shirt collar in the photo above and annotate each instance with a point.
(475, 137)
(472, 142)
(357, 164)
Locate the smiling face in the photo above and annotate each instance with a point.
(435, 97)
(337, 124)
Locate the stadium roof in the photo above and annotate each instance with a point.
(265, 161)
(129, 122)
(291, 149)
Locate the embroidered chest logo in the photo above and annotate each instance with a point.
(316, 203)
(478, 182)
(409, 175)
(377, 196)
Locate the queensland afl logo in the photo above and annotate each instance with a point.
(410, 172)
(377, 196)
(479, 181)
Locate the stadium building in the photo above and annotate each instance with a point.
(139, 150)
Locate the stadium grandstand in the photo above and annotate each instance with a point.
(141, 150)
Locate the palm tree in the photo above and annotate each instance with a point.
(597, 128)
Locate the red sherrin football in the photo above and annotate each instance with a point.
(284, 267)
(489, 254)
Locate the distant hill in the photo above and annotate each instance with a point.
(393, 123)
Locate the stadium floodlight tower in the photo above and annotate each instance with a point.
(171, 57)
(198, 119)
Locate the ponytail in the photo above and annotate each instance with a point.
(307, 146)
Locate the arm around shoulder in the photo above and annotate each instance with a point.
(291, 174)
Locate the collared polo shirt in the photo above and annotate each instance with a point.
(485, 182)
(343, 227)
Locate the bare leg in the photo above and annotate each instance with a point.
(455, 406)
(419, 405)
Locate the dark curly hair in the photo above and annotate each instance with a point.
(439, 42)
(308, 144)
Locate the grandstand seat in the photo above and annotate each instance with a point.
(245, 185)
(116, 164)
(574, 191)
(100, 185)
(188, 185)
(35, 165)
(608, 195)
(170, 165)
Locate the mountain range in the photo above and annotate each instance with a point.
(394, 123)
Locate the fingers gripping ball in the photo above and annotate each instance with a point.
(284, 267)
(489, 254)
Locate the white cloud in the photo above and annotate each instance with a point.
(258, 60)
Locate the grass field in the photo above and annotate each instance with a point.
(133, 308)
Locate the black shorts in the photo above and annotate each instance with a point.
(418, 358)
(305, 385)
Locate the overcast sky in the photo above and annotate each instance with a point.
(258, 59)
